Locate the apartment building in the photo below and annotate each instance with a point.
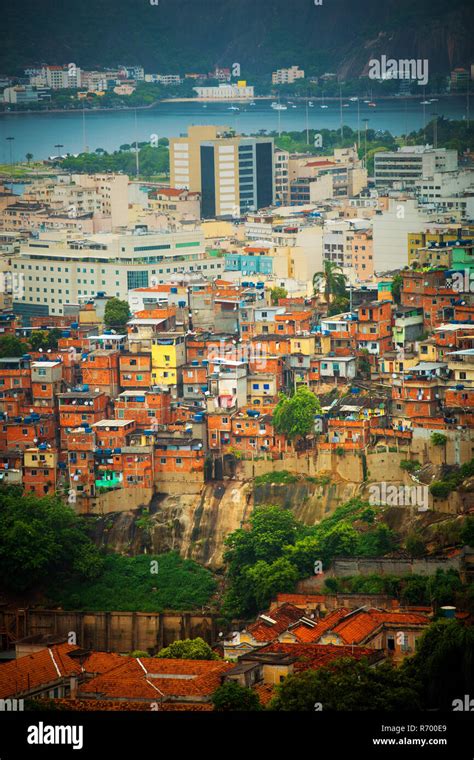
(287, 76)
(232, 173)
(58, 77)
(405, 166)
(59, 270)
(282, 188)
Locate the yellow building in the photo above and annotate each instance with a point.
(428, 351)
(305, 345)
(40, 458)
(168, 354)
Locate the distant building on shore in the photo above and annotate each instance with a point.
(287, 76)
(229, 91)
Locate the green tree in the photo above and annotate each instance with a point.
(294, 415)
(397, 283)
(39, 536)
(340, 541)
(347, 685)
(443, 663)
(415, 545)
(467, 531)
(332, 279)
(44, 339)
(339, 305)
(377, 542)
(438, 439)
(29, 157)
(276, 293)
(11, 346)
(266, 580)
(231, 696)
(188, 649)
(117, 313)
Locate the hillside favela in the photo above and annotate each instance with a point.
(237, 369)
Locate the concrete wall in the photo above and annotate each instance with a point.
(361, 566)
(114, 631)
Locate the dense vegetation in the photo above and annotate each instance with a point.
(444, 587)
(277, 550)
(346, 685)
(261, 37)
(43, 543)
(130, 583)
(453, 479)
(41, 539)
(152, 160)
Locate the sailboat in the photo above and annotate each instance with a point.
(323, 104)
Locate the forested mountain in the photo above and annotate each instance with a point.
(194, 35)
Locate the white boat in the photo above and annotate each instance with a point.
(279, 107)
(366, 101)
(345, 105)
(353, 99)
(433, 100)
(425, 102)
(252, 103)
(323, 106)
(311, 104)
(293, 106)
(372, 105)
(233, 108)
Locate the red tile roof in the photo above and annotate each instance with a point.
(44, 667)
(359, 626)
(313, 656)
(306, 634)
(152, 678)
(265, 691)
(283, 616)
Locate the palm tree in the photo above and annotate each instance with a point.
(28, 157)
(333, 278)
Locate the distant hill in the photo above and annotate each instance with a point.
(194, 35)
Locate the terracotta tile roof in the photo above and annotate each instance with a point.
(86, 705)
(172, 192)
(283, 616)
(139, 678)
(101, 662)
(313, 656)
(359, 626)
(306, 634)
(43, 667)
(265, 691)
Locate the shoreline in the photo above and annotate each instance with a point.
(242, 101)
